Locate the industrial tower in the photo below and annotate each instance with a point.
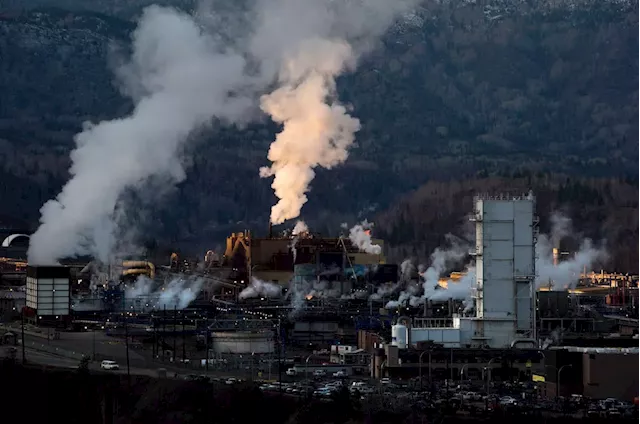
(504, 294)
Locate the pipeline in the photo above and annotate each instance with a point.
(148, 267)
(136, 271)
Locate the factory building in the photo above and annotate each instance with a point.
(309, 256)
(597, 373)
(48, 294)
(503, 294)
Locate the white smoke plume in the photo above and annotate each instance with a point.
(317, 130)
(178, 293)
(181, 77)
(384, 290)
(300, 228)
(458, 290)
(440, 259)
(566, 274)
(361, 238)
(143, 287)
(259, 288)
(298, 231)
(407, 270)
(563, 276)
(561, 227)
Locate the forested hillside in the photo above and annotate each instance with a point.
(600, 209)
(458, 88)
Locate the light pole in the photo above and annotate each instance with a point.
(558, 379)
(462, 371)
(306, 368)
(488, 378)
(420, 366)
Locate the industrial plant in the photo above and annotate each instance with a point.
(300, 302)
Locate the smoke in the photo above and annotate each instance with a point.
(561, 227)
(384, 290)
(178, 293)
(181, 77)
(563, 276)
(360, 236)
(317, 130)
(259, 288)
(458, 290)
(566, 274)
(298, 230)
(407, 270)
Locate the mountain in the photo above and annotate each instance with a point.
(455, 89)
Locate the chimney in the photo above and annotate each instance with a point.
(270, 235)
(555, 256)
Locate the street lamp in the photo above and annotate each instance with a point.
(488, 377)
(306, 368)
(558, 379)
(420, 366)
(462, 371)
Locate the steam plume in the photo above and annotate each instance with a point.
(179, 78)
(259, 288)
(298, 230)
(566, 274)
(317, 130)
(361, 238)
(177, 293)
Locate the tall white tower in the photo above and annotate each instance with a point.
(506, 232)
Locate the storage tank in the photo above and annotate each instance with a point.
(240, 342)
(399, 336)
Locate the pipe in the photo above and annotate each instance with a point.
(141, 264)
(135, 271)
(519, 341)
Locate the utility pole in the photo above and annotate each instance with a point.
(154, 348)
(206, 337)
(24, 355)
(184, 347)
(175, 316)
(164, 329)
(280, 348)
(126, 343)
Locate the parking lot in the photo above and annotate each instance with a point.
(463, 399)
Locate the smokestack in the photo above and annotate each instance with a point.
(450, 306)
(556, 254)
(270, 230)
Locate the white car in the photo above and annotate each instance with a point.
(319, 373)
(109, 365)
(291, 372)
(339, 374)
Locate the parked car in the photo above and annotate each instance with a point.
(109, 365)
(291, 372)
(319, 373)
(339, 374)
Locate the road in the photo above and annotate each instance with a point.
(44, 358)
